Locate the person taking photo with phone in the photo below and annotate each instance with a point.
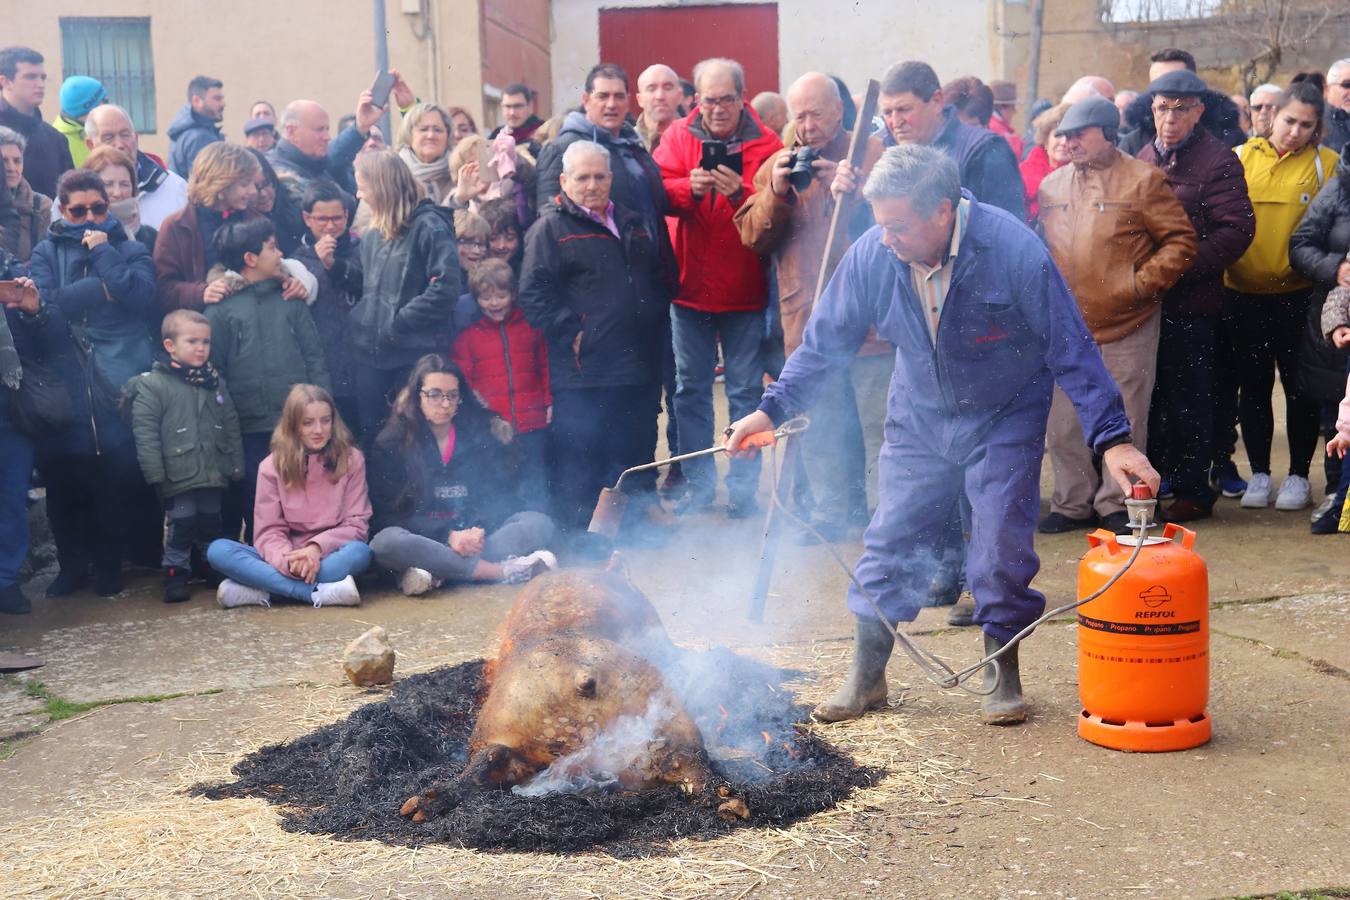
(723, 291)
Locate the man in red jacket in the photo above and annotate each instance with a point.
(723, 291)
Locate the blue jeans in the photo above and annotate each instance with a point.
(243, 564)
(16, 471)
(696, 337)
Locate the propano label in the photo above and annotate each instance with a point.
(1138, 628)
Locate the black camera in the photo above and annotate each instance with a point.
(800, 170)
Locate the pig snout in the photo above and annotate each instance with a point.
(495, 766)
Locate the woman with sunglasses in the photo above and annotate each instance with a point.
(99, 287)
(444, 508)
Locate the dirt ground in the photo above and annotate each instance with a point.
(92, 802)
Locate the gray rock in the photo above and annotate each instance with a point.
(369, 659)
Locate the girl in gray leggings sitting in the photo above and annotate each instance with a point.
(438, 482)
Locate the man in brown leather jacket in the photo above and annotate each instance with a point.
(791, 222)
(1122, 239)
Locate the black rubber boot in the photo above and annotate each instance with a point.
(866, 685)
(176, 588)
(1004, 706)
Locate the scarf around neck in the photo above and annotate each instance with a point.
(434, 175)
(206, 376)
(128, 212)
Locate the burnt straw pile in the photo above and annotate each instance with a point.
(349, 779)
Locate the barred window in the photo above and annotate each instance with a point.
(117, 52)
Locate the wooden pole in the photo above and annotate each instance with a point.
(857, 152)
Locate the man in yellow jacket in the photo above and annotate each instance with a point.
(1121, 238)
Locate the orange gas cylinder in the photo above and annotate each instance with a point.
(1143, 646)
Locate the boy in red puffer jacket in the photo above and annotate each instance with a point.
(506, 362)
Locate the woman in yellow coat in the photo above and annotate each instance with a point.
(1265, 316)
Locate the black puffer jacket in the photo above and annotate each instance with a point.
(1316, 250)
(411, 287)
(411, 488)
(578, 277)
(1221, 119)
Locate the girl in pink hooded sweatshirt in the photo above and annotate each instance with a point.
(310, 517)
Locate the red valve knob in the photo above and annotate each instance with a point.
(1140, 491)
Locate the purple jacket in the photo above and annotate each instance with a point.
(1207, 178)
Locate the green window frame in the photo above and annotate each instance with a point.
(116, 51)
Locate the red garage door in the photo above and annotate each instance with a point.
(680, 36)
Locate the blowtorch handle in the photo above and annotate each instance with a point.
(758, 439)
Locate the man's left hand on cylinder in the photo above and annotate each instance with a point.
(1127, 465)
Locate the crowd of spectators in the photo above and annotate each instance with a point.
(310, 355)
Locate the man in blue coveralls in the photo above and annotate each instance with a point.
(983, 327)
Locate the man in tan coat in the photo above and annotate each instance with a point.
(1122, 239)
(789, 219)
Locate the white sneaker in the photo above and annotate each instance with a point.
(337, 593)
(416, 581)
(1295, 493)
(1324, 507)
(1257, 495)
(519, 569)
(232, 594)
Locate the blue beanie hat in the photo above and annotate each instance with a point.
(80, 94)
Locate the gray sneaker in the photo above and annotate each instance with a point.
(231, 595)
(415, 581)
(520, 569)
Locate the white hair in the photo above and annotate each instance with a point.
(10, 137)
(91, 127)
(922, 174)
(1266, 88)
(581, 148)
(1337, 66)
(737, 72)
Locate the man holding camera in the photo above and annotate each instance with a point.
(708, 161)
(789, 217)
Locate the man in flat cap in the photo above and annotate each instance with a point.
(1121, 239)
(260, 133)
(1208, 181)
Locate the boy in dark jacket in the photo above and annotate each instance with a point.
(506, 363)
(332, 254)
(261, 343)
(187, 442)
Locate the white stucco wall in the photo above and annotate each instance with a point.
(855, 39)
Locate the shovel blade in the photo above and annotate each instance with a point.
(608, 513)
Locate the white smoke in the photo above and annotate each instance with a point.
(596, 766)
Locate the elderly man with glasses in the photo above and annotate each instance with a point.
(1338, 105)
(1262, 102)
(708, 162)
(1207, 178)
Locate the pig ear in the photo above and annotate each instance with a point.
(585, 683)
